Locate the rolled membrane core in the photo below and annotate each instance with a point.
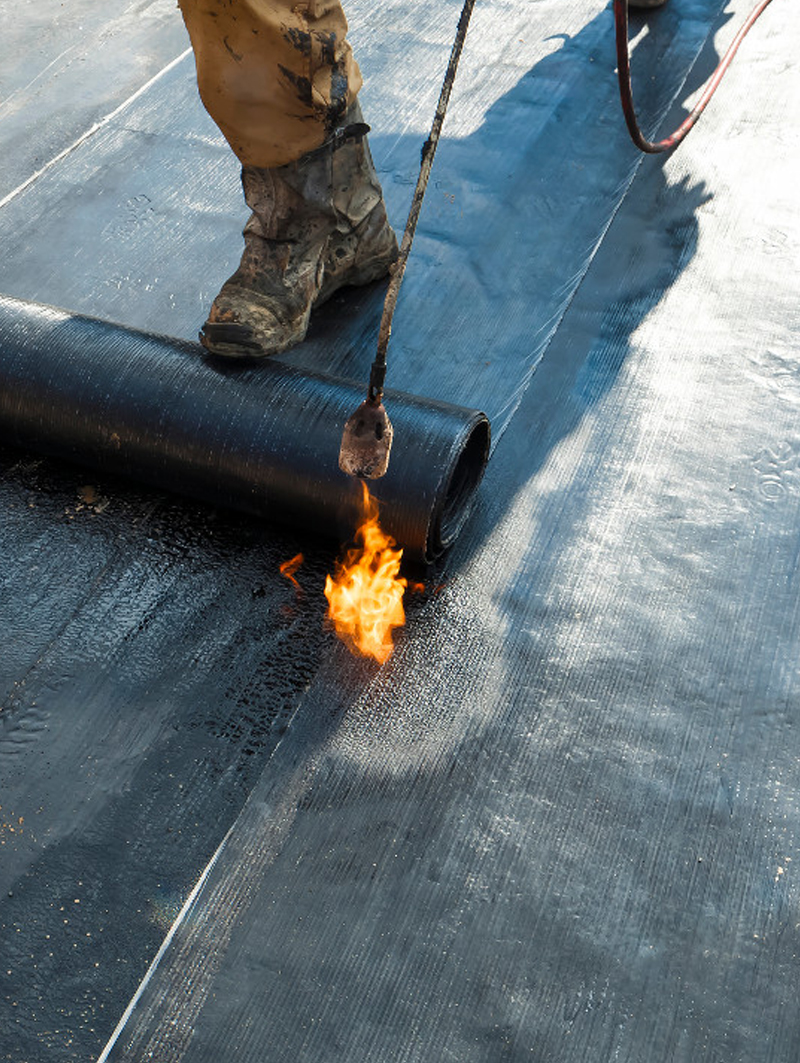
(261, 439)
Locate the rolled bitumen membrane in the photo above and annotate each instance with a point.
(264, 440)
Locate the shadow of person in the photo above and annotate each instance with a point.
(517, 216)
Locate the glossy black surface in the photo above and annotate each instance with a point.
(264, 441)
(561, 822)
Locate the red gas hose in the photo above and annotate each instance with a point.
(626, 94)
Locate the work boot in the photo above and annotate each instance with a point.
(317, 225)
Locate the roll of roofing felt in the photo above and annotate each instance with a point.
(264, 440)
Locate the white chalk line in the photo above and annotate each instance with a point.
(93, 129)
(164, 946)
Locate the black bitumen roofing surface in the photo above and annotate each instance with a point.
(561, 823)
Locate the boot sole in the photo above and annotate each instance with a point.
(221, 340)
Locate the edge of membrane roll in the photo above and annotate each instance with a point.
(263, 440)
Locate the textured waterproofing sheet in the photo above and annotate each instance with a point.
(561, 823)
(264, 441)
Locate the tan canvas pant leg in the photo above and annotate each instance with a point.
(275, 75)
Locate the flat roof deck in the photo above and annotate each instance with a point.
(561, 823)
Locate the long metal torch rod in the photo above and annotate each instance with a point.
(378, 372)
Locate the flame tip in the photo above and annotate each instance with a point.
(365, 596)
(288, 568)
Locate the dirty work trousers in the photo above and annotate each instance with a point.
(275, 75)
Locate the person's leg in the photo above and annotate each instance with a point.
(280, 81)
(275, 75)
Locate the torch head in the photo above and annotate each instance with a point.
(366, 442)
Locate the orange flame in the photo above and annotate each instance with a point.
(288, 568)
(365, 597)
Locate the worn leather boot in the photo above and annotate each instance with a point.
(317, 225)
